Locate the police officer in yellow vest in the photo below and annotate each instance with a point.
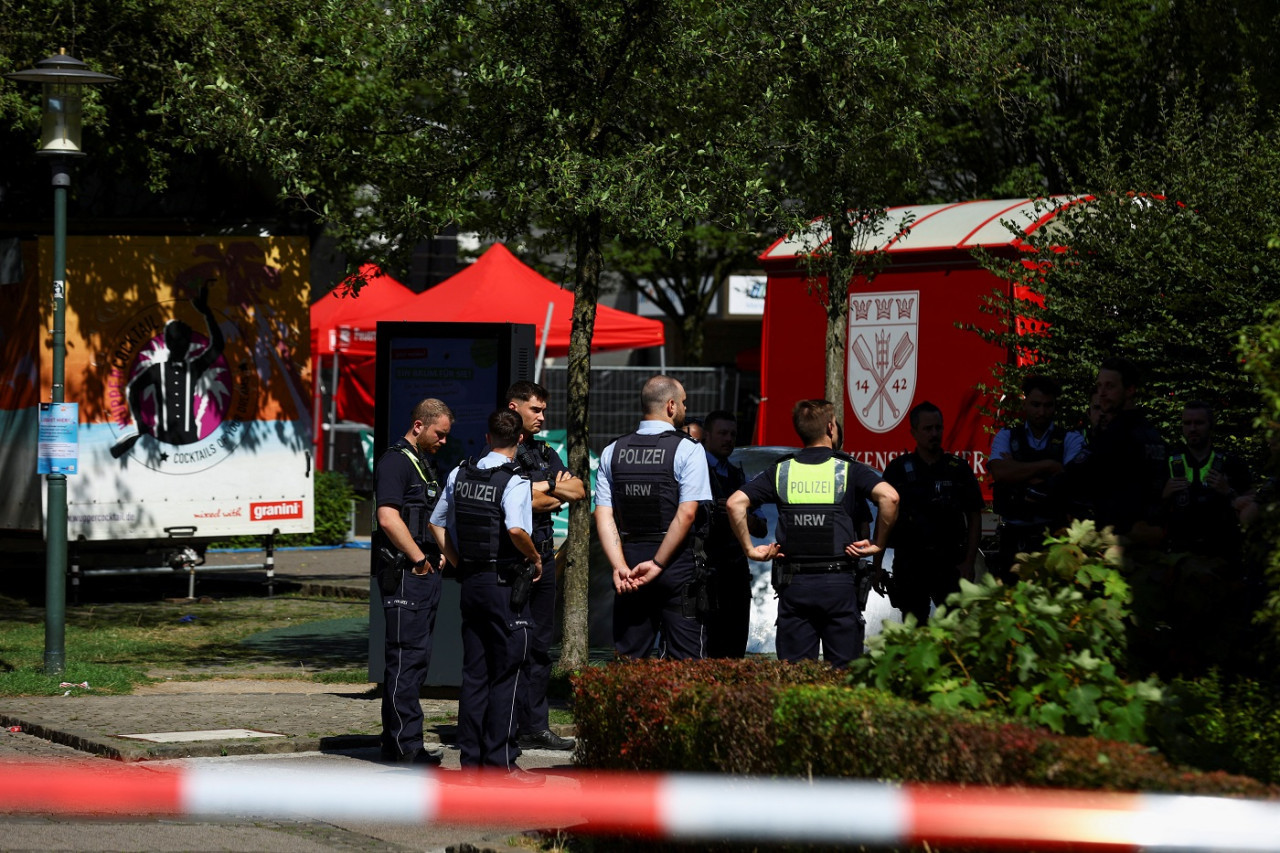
(1200, 494)
(820, 493)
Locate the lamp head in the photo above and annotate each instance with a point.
(62, 77)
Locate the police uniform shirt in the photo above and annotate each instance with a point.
(1002, 444)
(690, 468)
(397, 478)
(723, 470)
(1125, 471)
(934, 500)
(517, 500)
(861, 480)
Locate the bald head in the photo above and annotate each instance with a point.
(662, 399)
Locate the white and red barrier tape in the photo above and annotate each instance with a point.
(674, 807)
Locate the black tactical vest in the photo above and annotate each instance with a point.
(813, 523)
(418, 504)
(534, 461)
(646, 493)
(1010, 499)
(720, 537)
(480, 526)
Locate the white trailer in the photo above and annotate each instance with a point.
(187, 358)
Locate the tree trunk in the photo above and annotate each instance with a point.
(692, 329)
(840, 265)
(577, 567)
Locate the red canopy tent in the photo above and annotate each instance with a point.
(339, 320)
(338, 310)
(497, 288)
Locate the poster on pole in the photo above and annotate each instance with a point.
(58, 446)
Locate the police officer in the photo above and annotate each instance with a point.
(1205, 583)
(729, 623)
(821, 495)
(553, 486)
(1026, 464)
(482, 523)
(1126, 467)
(935, 542)
(650, 488)
(407, 564)
(1201, 491)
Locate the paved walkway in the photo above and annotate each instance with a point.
(307, 716)
(294, 716)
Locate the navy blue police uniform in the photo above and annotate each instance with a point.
(539, 462)
(409, 481)
(930, 537)
(1202, 520)
(644, 477)
(482, 501)
(1120, 481)
(1028, 509)
(822, 500)
(729, 623)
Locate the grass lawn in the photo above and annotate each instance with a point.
(116, 646)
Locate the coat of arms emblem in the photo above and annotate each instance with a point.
(883, 344)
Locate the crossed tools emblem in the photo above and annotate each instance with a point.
(881, 369)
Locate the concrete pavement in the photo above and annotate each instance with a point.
(288, 720)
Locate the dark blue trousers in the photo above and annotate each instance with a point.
(920, 580)
(820, 609)
(531, 698)
(639, 615)
(729, 627)
(495, 643)
(411, 618)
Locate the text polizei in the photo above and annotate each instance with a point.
(485, 492)
(642, 455)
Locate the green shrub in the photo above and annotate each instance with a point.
(333, 495)
(1043, 649)
(1221, 723)
(645, 714)
(766, 718)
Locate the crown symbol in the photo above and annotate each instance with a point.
(904, 308)
(861, 307)
(882, 308)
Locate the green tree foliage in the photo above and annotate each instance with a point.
(136, 168)
(1075, 68)
(1260, 347)
(591, 121)
(1165, 265)
(1047, 649)
(683, 279)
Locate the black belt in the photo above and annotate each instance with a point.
(475, 567)
(643, 539)
(799, 568)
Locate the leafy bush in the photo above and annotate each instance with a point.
(333, 495)
(659, 714)
(1043, 649)
(1220, 723)
(1260, 349)
(762, 718)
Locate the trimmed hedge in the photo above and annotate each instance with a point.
(765, 718)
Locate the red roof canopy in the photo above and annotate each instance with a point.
(382, 298)
(500, 288)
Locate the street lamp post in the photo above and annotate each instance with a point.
(62, 77)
